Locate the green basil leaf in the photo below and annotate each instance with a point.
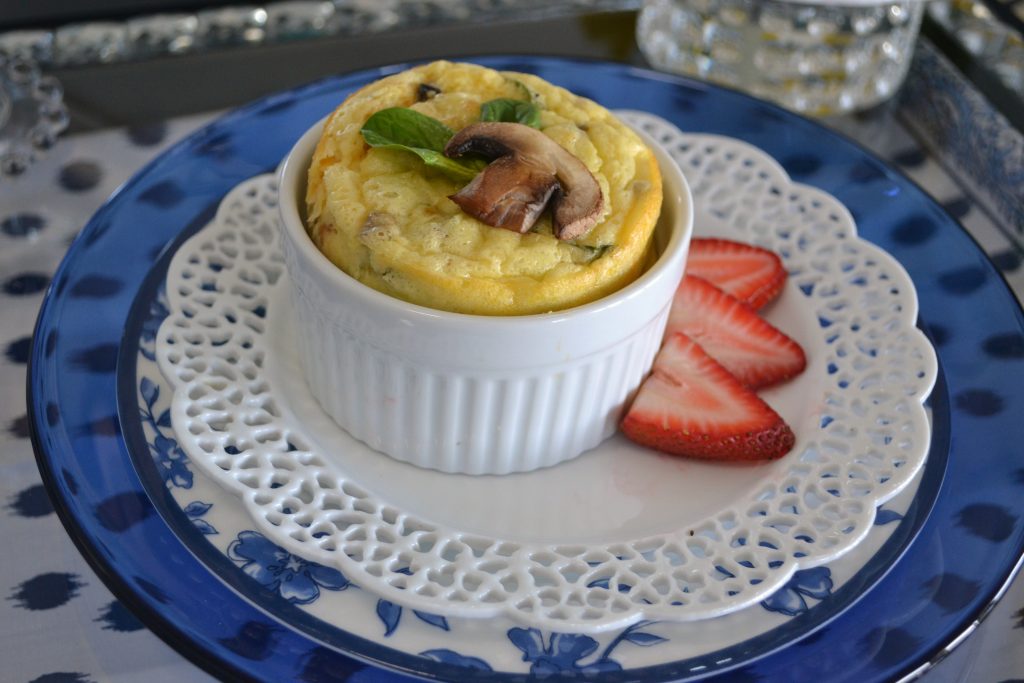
(506, 110)
(401, 126)
(528, 94)
(410, 131)
(456, 169)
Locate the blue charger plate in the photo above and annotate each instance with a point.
(954, 564)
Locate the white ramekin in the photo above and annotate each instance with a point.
(470, 393)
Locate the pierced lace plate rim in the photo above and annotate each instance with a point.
(406, 597)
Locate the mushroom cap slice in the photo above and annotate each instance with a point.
(529, 171)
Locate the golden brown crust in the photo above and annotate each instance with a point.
(422, 248)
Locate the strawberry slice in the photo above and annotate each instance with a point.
(749, 273)
(692, 406)
(732, 333)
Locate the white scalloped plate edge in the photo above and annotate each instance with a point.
(725, 565)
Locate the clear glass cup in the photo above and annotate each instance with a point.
(820, 59)
(32, 114)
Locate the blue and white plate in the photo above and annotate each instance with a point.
(243, 608)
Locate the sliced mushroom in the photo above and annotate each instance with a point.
(529, 171)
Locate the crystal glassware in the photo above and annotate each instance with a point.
(32, 113)
(822, 58)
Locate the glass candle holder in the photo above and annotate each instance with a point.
(821, 58)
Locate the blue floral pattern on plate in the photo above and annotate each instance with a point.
(298, 581)
(558, 654)
(171, 460)
(195, 511)
(390, 615)
(808, 583)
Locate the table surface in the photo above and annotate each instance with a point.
(58, 623)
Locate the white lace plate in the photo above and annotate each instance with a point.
(619, 535)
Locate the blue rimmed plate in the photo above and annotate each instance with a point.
(150, 549)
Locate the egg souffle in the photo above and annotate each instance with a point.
(461, 188)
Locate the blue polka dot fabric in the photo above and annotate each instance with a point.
(59, 624)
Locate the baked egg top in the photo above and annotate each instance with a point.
(385, 218)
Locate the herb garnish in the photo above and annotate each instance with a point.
(507, 110)
(410, 131)
(424, 136)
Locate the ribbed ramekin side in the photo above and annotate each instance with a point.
(471, 422)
